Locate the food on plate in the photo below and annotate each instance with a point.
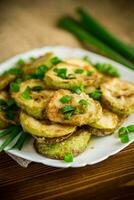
(62, 103)
(32, 97)
(5, 80)
(71, 108)
(74, 145)
(66, 75)
(44, 128)
(118, 96)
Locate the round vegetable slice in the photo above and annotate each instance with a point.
(5, 80)
(74, 145)
(42, 60)
(108, 120)
(118, 96)
(106, 130)
(79, 110)
(44, 128)
(67, 76)
(33, 98)
(4, 122)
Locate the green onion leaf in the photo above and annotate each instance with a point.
(87, 59)
(68, 115)
(21, 140)
(65, 99)
(40, 71)
(79, 71)
(96, 94)
(14, 87)
(68, 157)
(20, 62)
(32, 58)
(130, 128)
(11, 137)
(78, 89)
(2, 103)
(123, 134)
(55, 60)
(26, 94)
(107, 69)
(37, 88)
(6, 131)
(83, 102)
(61, 72)
(90, 73)
(67, 108)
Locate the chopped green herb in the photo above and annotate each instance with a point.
(20, 62)
(68, 115)
(90, 73)
(15, 131)
(2, 103)
(65, 99)
(123, 135)
(78, 89)
(83, 102)
(29, 76)
(37, 88)
(107, 69)
(61, 72)
(14, 87)
(15, 71)
(40, 71)
(26, 94)
(79, 71)
(130, 128)
(55, 60)
(67, 108)
(32, 58)
(77, 111)
(96, 94)
(10, 102)
(87, 59)
(68, 157)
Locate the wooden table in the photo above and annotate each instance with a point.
(27, 24)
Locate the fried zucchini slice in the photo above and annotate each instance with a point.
(4, 122)
(35, 105)
(67, 76)
(5, 80)
(79, 109)
(42, 60)
(108, 120)
(118, 96)
(75, 145)
(44, 128)
(107, 130)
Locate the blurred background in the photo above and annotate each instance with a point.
(27, 24)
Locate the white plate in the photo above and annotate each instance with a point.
(99, 148)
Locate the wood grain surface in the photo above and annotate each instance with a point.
(28, 24)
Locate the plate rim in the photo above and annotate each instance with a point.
(24, 54)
